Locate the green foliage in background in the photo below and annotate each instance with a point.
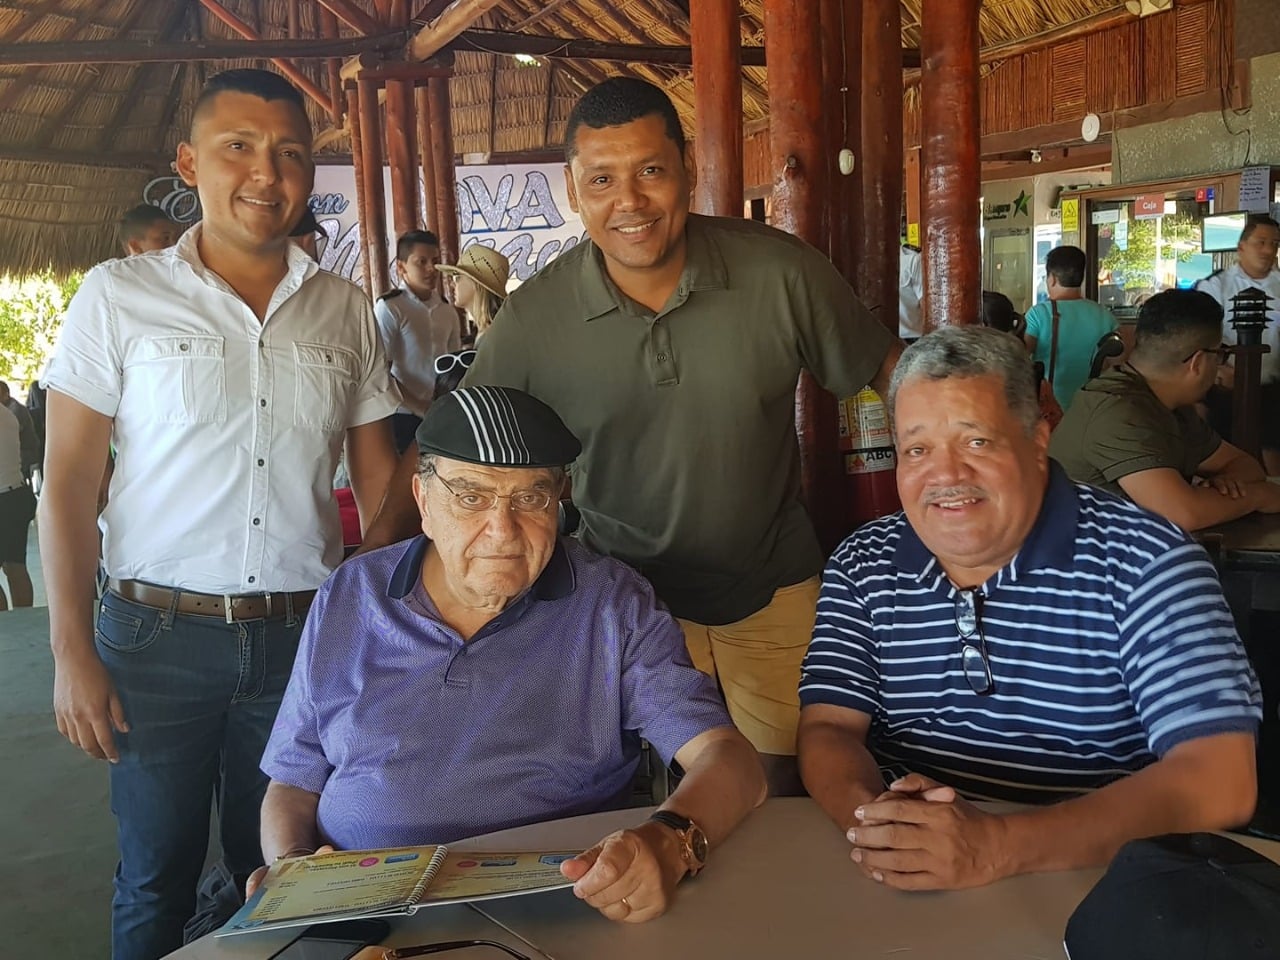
(31, 310)
(1179, 240)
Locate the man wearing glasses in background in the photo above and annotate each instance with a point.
(1015, 636)
(491, 674)
(1135, 432)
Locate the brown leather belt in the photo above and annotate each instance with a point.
(229, 607)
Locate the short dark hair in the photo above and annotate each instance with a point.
(1254, 221)
(138, 220)
(407, 241)
(1175, 323)
(617, 101)
(998, 312)
(1066, 264)
(260, 83)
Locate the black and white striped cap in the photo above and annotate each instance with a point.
(497, 427)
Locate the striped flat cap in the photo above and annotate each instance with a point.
(497, 427)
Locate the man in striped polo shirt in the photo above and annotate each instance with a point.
(1012, 635)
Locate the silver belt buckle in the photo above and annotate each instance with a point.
(226, 607)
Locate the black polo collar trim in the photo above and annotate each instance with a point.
(1049, 545)
(557, 581)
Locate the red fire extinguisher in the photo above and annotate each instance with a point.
(870, 466)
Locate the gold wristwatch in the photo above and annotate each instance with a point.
(693, 842)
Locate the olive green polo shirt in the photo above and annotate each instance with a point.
(1117, 426)
(690, 469)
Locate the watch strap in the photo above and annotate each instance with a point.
(672, 820)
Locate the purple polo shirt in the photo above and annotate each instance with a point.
(412, 736)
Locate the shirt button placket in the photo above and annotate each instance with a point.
(261, 370)
(663, 358)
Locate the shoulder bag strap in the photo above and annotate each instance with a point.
(1053, 343)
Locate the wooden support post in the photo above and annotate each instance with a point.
(796, 135)
(401, 130)
(362, 203)
(717, 99)
(841, 23)
(878, 246)
(911, 176)
(443, 157)
(332, 67)
(431, 203)
(375, 213)
(950, 137)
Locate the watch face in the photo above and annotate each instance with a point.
(698, 845)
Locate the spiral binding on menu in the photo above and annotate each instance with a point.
(429, 874)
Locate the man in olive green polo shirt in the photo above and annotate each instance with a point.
(1135, 431)
(671, 345)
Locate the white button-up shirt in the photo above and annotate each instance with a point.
(1225, 284)
(415, 332)
(227, 430)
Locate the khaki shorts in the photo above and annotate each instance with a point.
(757, 661)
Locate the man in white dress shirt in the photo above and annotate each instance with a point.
(227, 370)
(1255, 267)
(417, 326)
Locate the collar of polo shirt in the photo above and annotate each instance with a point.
(556, 581)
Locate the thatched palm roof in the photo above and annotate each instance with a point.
(79, 142)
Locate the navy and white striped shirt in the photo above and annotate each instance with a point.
(1108, 637)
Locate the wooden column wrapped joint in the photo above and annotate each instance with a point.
(878, 245)
(796, 146)
(401, 132)
(950, 136)
(443, 156)
(375, 212)
(717, 98)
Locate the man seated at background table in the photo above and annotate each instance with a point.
(1012, 635)
(1135, 432)
(490, 675)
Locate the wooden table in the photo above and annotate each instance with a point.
(1250, 543)
(782, 887)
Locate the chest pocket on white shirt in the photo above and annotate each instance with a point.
(326, 377)
(184, 378)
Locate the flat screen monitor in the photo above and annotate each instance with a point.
(1221, 231)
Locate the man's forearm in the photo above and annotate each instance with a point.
(1243, 469)
(880, 382)
(69, 556)
(1203, 506)
(398, 517)
(1174, 795)
(288, 821)
(839, 772)
(722, 786)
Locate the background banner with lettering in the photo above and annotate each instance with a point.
(521, 210)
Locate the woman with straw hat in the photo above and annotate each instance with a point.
(479, 283)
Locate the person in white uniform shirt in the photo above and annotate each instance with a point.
(910, 293)
(417, 326)
(1255, 267)
(228, 371)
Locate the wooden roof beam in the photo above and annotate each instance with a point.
(144, 51)
(305, 83)
(116, 161)
(435, 36)
(353, 16)
(560, 48)
(142, 78)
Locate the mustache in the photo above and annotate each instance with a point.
(954, 493)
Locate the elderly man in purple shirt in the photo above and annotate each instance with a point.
(491, 674)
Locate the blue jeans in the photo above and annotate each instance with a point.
(200, 696)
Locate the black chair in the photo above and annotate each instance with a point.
(1110, 346)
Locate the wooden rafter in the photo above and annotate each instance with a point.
(452, 22)
(30, 18)
(146, 51)
(533, 18)
(352, 16)
(429, 10)
(561, 48)
(171, 104)
(304, 82)
(141, 78)
(75, 158)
